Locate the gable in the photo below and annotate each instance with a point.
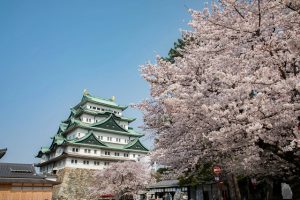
(110, 124)
(91, 139)
(137, 146)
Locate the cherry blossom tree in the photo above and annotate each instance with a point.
(233, 97)
(121, 179)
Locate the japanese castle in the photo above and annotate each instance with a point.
(94, 135)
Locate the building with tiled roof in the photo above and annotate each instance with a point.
(95, 134)
(20, 181)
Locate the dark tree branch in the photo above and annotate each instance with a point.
(288, 156)
(235, 8)
(259, 17)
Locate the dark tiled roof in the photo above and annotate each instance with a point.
(13, 170)
(20, 173)
(27, 180)
(165, 184)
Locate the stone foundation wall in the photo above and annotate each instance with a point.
(75, 184)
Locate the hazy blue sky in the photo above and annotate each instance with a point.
(51, 50)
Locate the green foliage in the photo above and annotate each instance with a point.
(175, 51)
(200, 176)
(162, 170)
(160, 173)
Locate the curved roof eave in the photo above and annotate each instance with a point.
(105, 147)
(100, 101)
(136, 142)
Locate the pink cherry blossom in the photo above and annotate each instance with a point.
(233, 98)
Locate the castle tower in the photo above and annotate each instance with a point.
(94, 135)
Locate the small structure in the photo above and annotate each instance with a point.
(171, 190)
(167, 190)
(20, 182)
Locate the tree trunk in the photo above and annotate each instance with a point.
(270, 189)
(233, 186)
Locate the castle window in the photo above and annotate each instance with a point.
(96, 163)
(98, 108)
(107, 153)
(125, 154)
(95, 151)
(109, 138)
(133, 155)
(94, 107)
(86, 162)
(87, 151)
(74, 161)
(106, 163)
(117, 154)
(118, 140)
(75, 149)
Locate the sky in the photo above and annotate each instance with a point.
(50, 51)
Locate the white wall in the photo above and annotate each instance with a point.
(100, 108)
(124, 139)
(80, 163)
(59, 151)
(44, 158)
(101, 152)
(123, 124)
(79, 133)
(67, 162)
(76, 133)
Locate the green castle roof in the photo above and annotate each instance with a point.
(136, 145)
(91, 140)
(101, 101)
(43, 150)
(79, 110)
(108, 124)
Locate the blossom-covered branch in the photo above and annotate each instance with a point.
(233, 97)
(121, 179)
